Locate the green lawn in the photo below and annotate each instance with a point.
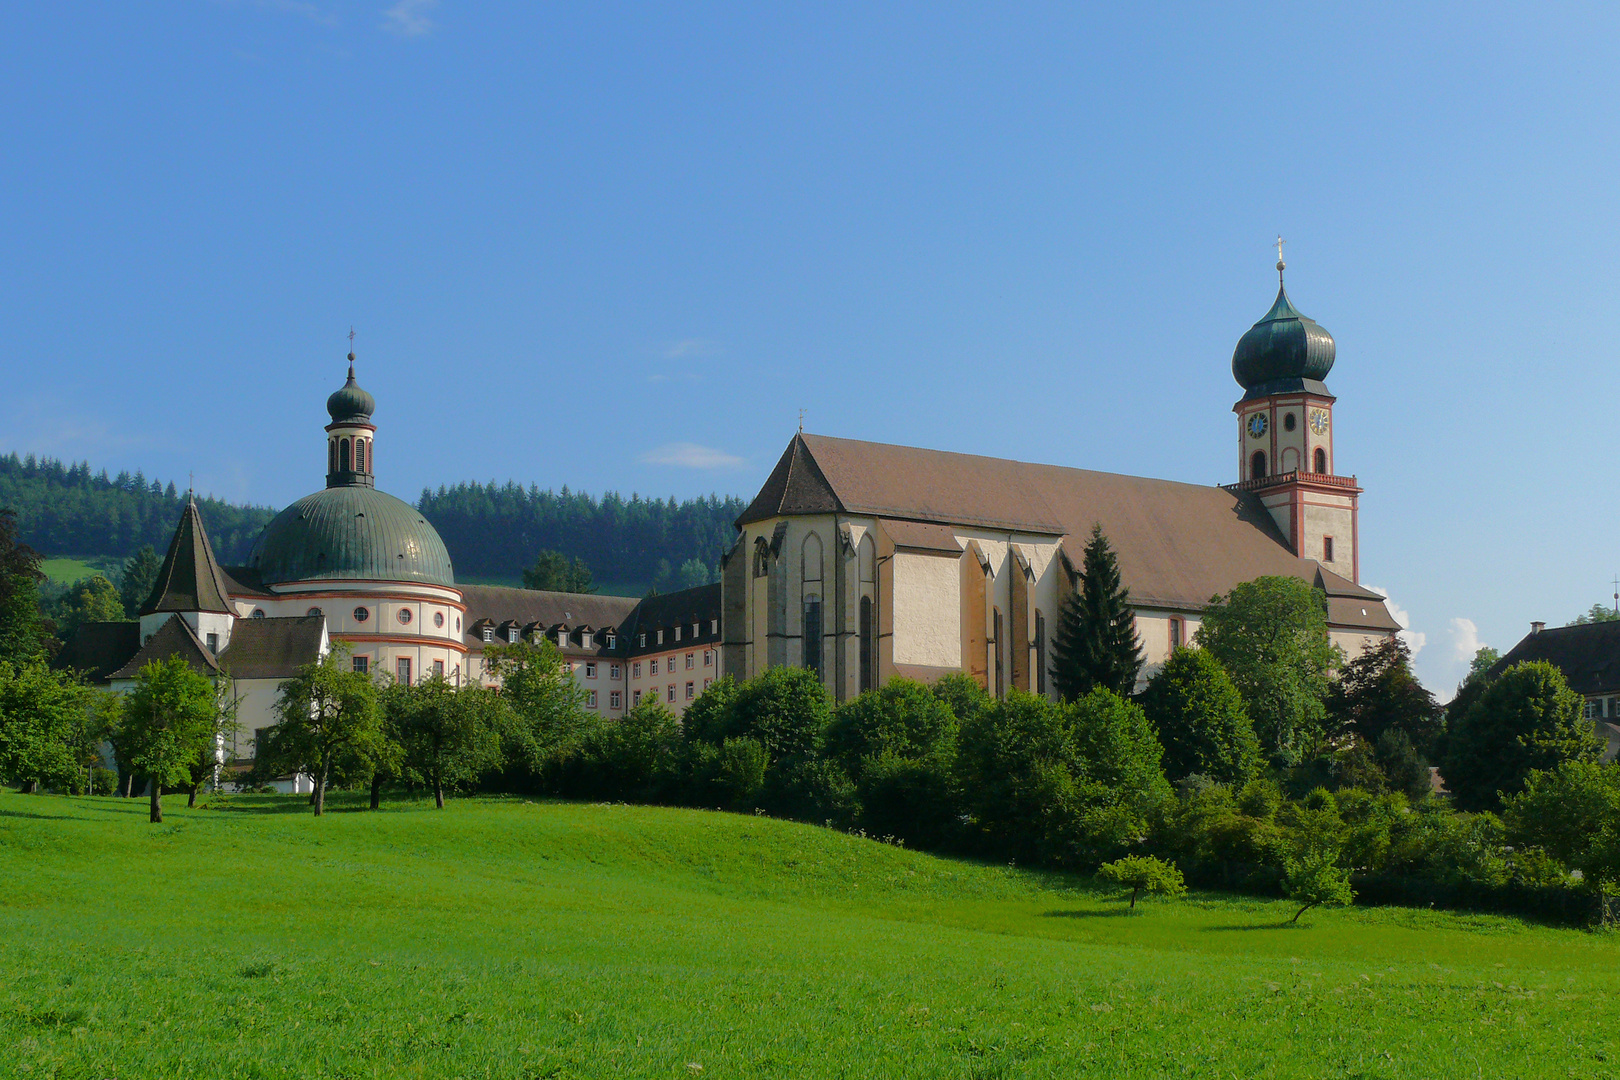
(504, 938)
(65, 570)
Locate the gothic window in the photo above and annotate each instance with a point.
(762, 557)
(1040, 652)
(812, 634)
(1257, 465)
(866, 643)
(995, 643)
(1321, 460)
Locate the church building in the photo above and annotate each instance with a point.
(864, 561)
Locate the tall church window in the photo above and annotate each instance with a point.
(866, 643)
(1327, 549)
(1040, 653)
(1175, 634)
(1321, 460)
(812, 634)
(343, 455)
(995, 645)
(1257, 465)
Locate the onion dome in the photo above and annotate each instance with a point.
(1283, 351)
(351, 533)
(351, 402)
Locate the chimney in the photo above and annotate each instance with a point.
(1537, 627)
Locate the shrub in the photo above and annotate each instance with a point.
(1315, 878)
(1143, 873)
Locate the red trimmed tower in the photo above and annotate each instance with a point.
(1285, 435)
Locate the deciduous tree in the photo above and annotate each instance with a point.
(1377, 692)
(171, 719)
(1270, 634)
(1572, 812)
(1526, 719)
(1201, 720)
(552, 572)
(326, 713)
(449, 737)
(1143, 874)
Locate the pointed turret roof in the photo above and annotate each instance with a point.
(795, 486)
(190, 578)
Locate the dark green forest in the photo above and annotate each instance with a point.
(494, 531)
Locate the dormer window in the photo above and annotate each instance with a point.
(512, 635)
(695, 630)
(660, 637)
(612, 641)
(562, 638)
(641, 641)
(677, 633)
(714, 626)
(489, 633)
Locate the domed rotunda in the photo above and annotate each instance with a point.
(367, 561)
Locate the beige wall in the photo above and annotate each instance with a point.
(927, 607)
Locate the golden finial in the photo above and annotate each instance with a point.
(1280, 263)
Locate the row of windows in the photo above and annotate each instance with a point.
(691, 692)
(403, 668)
(514, 635)
(658, 635)
(338, 454)
(670, 663)
(1257, 463)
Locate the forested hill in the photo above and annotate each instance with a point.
(493, 531)
(66, 509)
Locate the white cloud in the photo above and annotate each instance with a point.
(1464, 640)
(408, 18)
(685, 455)
(691, 347)
(1415, 639)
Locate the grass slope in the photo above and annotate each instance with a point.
(66, 570)
(510, 939)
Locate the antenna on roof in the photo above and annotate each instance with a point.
(1280, 263)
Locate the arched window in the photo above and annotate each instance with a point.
(343, 455)
(1321, 460)
(331, 455)
(812, 634)
(866, 644)
(1257, 465)
(359, 455)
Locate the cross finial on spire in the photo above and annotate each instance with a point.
(801, 421)
(191, 487)
(351, 352)
(1280, 263)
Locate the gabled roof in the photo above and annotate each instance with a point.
(700, 605)
(500, 605)
(173, 638)
(1178, 544)
(190, 578)
(272, 648)
(1588, 655)
(97, 649)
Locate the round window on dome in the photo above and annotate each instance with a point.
(404, 616)
(438, 618)
(361, 614)
(314, 611)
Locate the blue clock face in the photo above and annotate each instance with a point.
(1257, 425)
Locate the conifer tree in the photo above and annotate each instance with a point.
(1096, 642)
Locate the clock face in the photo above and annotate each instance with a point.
(1257, 425)
(1319, 421)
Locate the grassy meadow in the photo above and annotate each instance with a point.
(512, 939)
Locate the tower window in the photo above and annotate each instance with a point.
(343, 455)
(1321, 460)
(1327, 549)
(1289, 421)
(331, 455)
(1257, 465)
(360, 454)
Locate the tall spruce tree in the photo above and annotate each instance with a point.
(1096, 642)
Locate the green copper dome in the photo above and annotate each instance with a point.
(354, 534)
(1282, 350)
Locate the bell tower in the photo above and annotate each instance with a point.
(350, 435)
(1285, 434)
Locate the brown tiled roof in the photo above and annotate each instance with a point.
(917, 536)
(1178, 544)
(97, 649)
(501, 604)
(1588, 655)
(700, 605)
(173, 638)
(272, 648)
(190, 578)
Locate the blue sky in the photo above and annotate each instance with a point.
(620, 246)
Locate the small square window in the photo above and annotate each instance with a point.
(438, 668)
(612, 641)
(616, 699)
(707, 683)
(489, 633)
(590, 698)
(1327, 549)
(362, 664)
(691, 691)
(590, 670)
(708, 658)
(512, 635)
(613, 671)
(672, 693)
(635, 699)
(691, 661)
(652, 666)
(213, 643)
(635, 670)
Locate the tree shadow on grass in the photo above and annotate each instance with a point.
(1286, 924)
(1100, 913)
(38, 817)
